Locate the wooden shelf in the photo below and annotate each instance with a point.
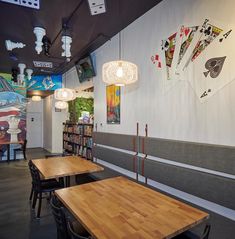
(83, 137)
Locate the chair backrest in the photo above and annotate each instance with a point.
(36, 180)
(206, 232)
(60, 218)
(73, 234)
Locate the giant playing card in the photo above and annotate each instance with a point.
(214, 67)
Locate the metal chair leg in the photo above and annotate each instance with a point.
(31, 194)
(35, 196)
(39, 205)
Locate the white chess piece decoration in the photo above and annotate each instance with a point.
(13, 128)
(29, 73)
(21, 67)
(10, 45)
(67, 40)
(40, 33)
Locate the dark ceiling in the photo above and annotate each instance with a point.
(88, 32)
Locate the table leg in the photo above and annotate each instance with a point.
(67, 181)
(8, 153)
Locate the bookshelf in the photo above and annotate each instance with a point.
(77, 139)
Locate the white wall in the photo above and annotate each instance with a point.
(177, 113)
(47, 126)
(53, 127)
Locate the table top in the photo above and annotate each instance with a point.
(121, 208)
(65, 166)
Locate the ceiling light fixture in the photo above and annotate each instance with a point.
(10, 45)
(119, 72)
(36, 98)
(29, 73)
(40, 33)
(61, 105)
(65, 94)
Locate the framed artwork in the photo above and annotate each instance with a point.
(113, 104)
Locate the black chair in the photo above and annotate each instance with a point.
(40, 186)
(21, 149)
(74, 235)
(43, 181)
(191, 235)
(61, 220)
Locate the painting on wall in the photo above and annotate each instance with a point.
(113, 104)
(199, 54)
(45, 82)
(12, 112)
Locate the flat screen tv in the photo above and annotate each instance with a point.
(85, 69)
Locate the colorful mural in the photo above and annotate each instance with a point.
(46, 82)
(113, 104)
(12, 112)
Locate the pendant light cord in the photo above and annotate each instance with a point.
(119, 34)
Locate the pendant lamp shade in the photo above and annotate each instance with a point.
(61, 105)
(119, 73)
(64, 94)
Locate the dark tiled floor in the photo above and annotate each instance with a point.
(17, 220)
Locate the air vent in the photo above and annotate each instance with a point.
(43, 64)
(97, 6)
(25, 3)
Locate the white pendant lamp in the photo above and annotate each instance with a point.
(119, 72)
(65, 94)
(61, 105)
(36, 98)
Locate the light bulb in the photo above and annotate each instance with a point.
(119, 72)
(64, 94)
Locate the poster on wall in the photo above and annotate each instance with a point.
(12, 112)
(201, 55)
(113, 104)
(45, 82)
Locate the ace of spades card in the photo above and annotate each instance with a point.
(214, 67)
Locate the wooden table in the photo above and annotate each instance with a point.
(8, 143)
(65, 167)
(120, 208)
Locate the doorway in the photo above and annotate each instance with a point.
(34, 129)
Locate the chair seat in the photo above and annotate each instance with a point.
(79, 229)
